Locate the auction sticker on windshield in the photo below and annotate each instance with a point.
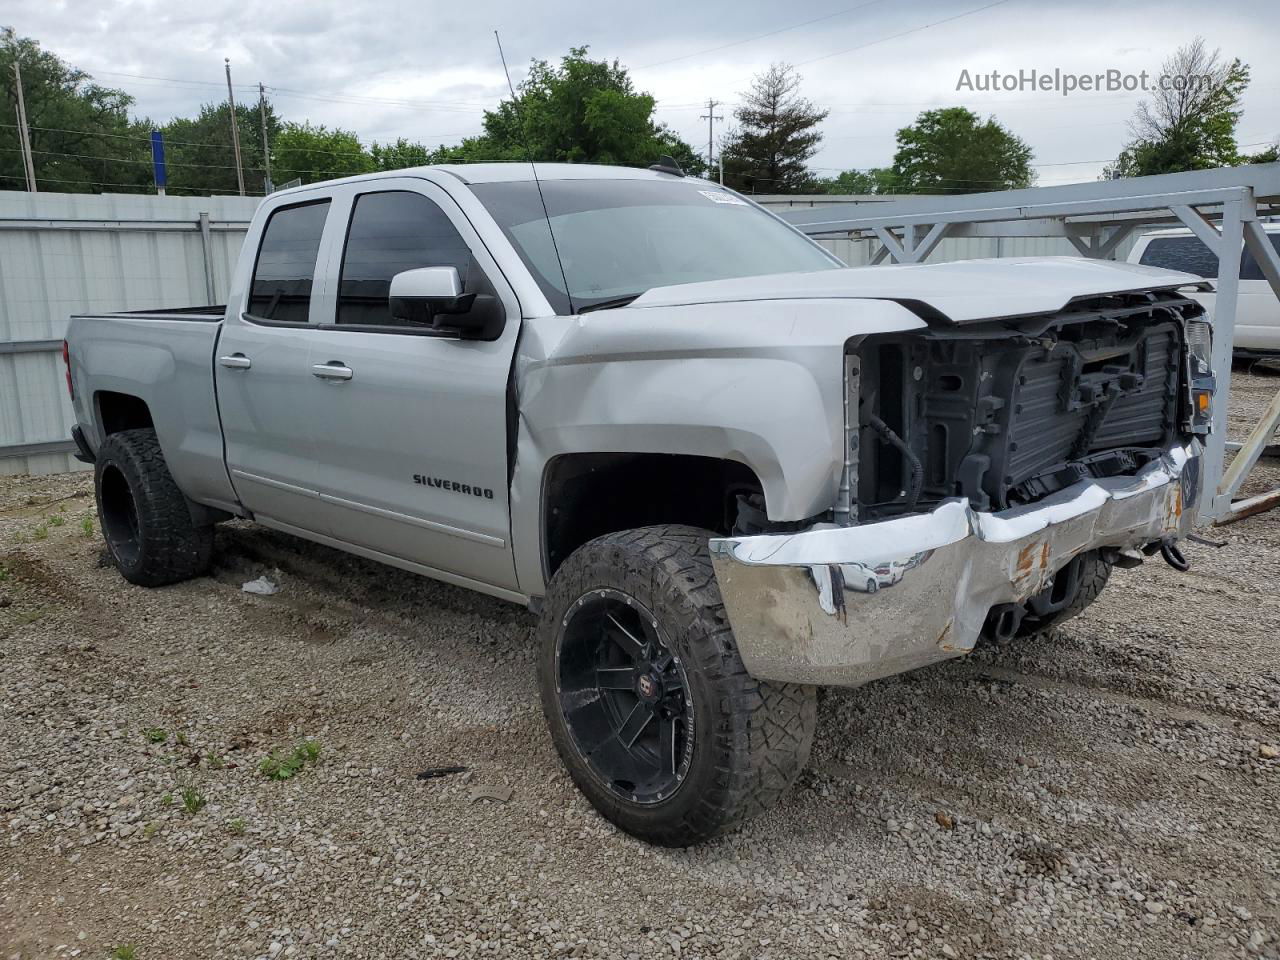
(719, 196)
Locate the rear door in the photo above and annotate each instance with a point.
(266, 393)
(413, 458)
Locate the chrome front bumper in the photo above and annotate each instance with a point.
(803, 607)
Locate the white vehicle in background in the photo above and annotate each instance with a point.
(1257, 309)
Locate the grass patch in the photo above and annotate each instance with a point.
(182, 739)
(284, 763)
(155, 734)
(86, 527)
(41, 532)
(166, 800)
(236, 827)
(126, 951)
(193, 800)
(214, 761)
(57, 520)
(4, 573)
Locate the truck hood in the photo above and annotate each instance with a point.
(962, 292)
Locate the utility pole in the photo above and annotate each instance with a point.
(266, 147)
(711, 117)
(235, 133)
(24, 134)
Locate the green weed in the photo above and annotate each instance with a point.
(193, 800)
(282, 764)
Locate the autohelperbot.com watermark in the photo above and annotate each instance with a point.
(1065, 82)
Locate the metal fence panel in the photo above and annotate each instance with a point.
(78, 253)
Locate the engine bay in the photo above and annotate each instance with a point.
(1004, 413)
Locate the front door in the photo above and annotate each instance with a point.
(262, 371)
(412, 453)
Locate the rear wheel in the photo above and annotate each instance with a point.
(646, 697)
(144, 516)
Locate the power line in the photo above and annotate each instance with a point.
(759, 36)
(895, 36)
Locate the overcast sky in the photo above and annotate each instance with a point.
(425, 71)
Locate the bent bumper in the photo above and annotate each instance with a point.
(804, 608)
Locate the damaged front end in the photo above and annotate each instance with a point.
(985, 463)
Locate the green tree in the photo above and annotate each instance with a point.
(398, 155)
(776, 137)
(874, 180)
(580, 111)
(1191, 125)
(314, 152)
(952, 150)
(82, 138)
(1270, 155)
(201, 158)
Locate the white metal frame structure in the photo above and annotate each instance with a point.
(1221, 207)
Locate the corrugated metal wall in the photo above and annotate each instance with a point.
(76, 253)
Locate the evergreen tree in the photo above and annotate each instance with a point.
(776, 137)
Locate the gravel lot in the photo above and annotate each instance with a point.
(1111, 790)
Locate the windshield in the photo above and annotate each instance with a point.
(619, 238)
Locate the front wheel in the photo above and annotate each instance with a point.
(647, 700)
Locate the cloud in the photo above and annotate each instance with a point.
(391, 68)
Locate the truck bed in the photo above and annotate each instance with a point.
(164, 358)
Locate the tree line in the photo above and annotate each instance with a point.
(85, 138)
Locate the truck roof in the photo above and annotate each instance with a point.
(507, 173)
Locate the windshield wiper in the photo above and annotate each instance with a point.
(611, 304)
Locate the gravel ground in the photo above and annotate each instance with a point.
(1111, 790)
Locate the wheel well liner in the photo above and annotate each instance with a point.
(587, 495)
(121, 411)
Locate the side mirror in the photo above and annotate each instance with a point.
(420, 295)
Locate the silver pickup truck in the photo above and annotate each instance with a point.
(721, 467)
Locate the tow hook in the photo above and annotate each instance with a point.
(1173, 556)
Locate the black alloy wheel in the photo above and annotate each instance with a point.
(625, 697)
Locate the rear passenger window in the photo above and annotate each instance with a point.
(1188, 254)
(1250, 268)
(390, 232)
(286, 267)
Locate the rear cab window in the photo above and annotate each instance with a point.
(284, 273)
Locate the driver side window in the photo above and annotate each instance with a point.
(391, 232)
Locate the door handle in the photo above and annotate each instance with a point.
(237, 361)
(333, 370)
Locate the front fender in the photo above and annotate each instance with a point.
(756, 383)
